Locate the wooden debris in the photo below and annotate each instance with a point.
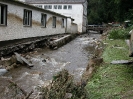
(122, 62)
(27, 97)
(15, 84)
(22, 60)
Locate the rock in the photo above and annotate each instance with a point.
(3, 71)
(68, 95)
(122, 62)
(128, 42)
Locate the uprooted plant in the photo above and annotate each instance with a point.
(63, 87)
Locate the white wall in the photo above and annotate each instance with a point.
(16, 30)
(22, 0)
(74, 28)
(76, 13)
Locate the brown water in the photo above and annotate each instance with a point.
(73, 57)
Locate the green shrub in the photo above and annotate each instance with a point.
(119, 34)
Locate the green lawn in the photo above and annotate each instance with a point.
(112, 81)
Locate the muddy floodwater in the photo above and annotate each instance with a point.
(73, 56)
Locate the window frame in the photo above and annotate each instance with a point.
(46, 7)
(59, 6)
(3, 17)
(69, 7)
(63, 22)
(43, 20)
(27, 18)
(54, 22)
(65, 7)
(39, 6)
(55, 6)
(49, 6)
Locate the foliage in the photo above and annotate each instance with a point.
(118, 34)
(63, 83)
(109, 11)
(112, 81)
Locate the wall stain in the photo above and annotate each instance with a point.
(15, 16)
(49, 20)
(36, 23)
(58, 22)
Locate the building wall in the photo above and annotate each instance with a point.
(76, 13)
(74, 28)
(85, 16)
(22, 0)
(16, 30)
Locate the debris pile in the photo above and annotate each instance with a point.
(63, 87)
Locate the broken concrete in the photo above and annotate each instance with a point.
(61, 41)
(51, 42)
(22, 60)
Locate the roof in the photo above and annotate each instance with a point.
(55, 1)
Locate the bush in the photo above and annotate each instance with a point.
(119, 34)
(63, 83)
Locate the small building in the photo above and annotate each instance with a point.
(19, 20)
(77, 9)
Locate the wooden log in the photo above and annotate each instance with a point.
(27, 97)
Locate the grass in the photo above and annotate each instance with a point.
(112, 81)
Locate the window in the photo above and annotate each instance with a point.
(54, 22)
(55, 6)
(3, 14)
(43, 20)
(63, 23)
(49, 6)
(59, 6)
(65, 7)
(27, 20)
(45, 7)
(69, 6)
(39, 6)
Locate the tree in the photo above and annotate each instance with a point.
(109, 10)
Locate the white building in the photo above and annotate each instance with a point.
(19, 20)
(77, 9)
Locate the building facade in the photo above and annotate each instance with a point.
(19, 20)
(76, 9)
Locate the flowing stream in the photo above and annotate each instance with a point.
(73, 56)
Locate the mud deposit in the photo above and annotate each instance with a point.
(74, 57)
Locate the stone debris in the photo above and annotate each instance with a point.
(122, 62)
(68, 95)
(3, 71)
(23, 60)
(128, 42)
